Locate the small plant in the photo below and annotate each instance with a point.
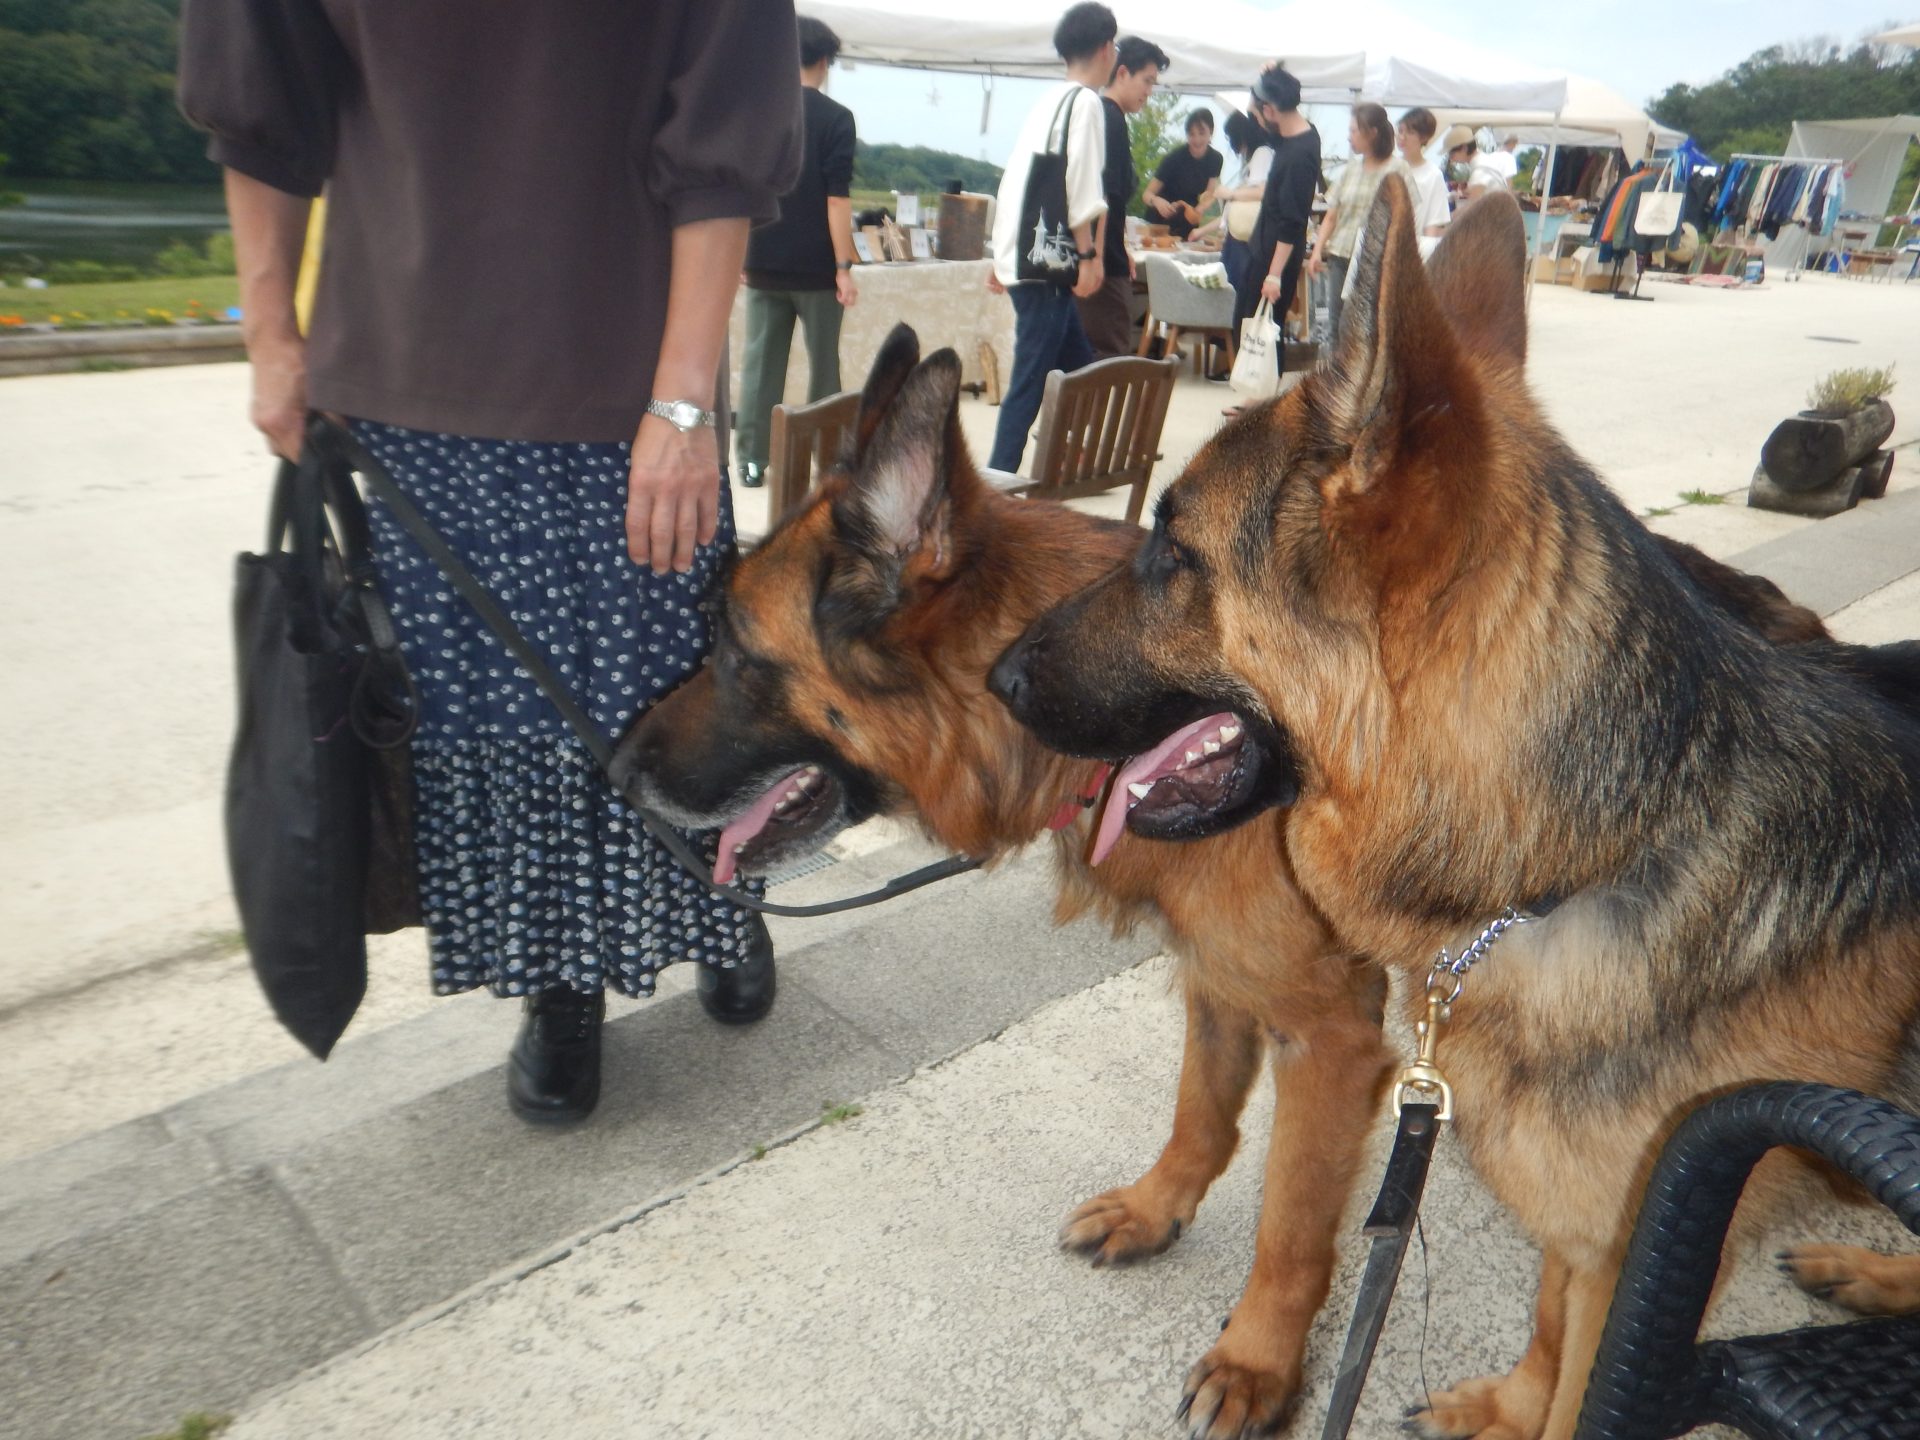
(157, 316)
(1657, 511)
(759, 1152)
(1845, 391)
(1702, 497)
(832, 1114)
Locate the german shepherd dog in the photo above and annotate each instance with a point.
(1478, 682)
(849, 678)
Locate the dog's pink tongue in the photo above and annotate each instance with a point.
(746, 825)
(1150, 766)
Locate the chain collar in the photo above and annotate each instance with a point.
(1422, 1082)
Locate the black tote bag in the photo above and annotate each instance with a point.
(319, 794)
(1047, 250)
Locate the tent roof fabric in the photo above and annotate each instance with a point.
(1363, 46)
(1899, 35)
(1595, 114)
(1874, 150)
(1014, 37)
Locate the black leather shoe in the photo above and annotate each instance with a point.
(743, 994)
(553, 1070)
(752, 476)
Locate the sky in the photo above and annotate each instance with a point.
(1637, 49)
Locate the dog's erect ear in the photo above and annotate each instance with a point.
(1479, 277)
(1397, 374)
(899, 353)
(895, 520)
(900, 488)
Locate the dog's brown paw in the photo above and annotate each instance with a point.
(1118, 1227)
(1859, 1280)
(1473, 1408)
(1226, 1400)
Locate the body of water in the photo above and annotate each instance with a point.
(103, 221)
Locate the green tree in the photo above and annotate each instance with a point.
(919, 170)
(1154, 131)
(1753, 106)
(86, 91)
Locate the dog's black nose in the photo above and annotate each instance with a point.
(635, 753)
(1008, 679)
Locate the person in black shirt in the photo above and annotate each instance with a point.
(1279, 242)
(1107, 314)
(1183, 186)
(801, 266)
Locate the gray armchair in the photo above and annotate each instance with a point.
(1179, 305)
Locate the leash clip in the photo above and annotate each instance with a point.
(1421, 1083)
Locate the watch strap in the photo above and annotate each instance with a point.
(672, 412)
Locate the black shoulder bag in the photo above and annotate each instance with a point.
(319, 791)
(1047, 250)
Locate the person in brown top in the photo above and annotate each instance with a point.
(534, 232)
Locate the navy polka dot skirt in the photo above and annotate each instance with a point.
(532, 872)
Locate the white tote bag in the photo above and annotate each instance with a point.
(1660, 208)
(1256, 369)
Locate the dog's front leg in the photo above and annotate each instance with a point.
(1329, 1073)
(1216, 1072)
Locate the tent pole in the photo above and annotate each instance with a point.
(1540, 224)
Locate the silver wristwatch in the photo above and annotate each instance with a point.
(683, 415)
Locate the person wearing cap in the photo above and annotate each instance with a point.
(1459, 148)
(1279, 243)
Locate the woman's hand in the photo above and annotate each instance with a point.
(673, 494)
(1314, 265)
(279, 405)
(846, 289)
(1270, 289)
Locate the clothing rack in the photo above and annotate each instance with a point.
(1786, 160)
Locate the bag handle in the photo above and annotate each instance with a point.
(1066, 128)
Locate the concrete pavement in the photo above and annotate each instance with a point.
(191, 1213)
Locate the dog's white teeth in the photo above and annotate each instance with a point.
(741, 848)
(1211, 747)
(1139, 788)
(1192, 756)
(1229, 732)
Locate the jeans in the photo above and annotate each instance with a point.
(763, 369)
(1235, 255)
(1047, 336)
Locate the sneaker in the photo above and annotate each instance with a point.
(752, 477)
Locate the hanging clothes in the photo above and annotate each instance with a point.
(1613, 230)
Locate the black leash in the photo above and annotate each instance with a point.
(335, 443)
(1389, 1226)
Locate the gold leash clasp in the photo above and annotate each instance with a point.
(1421, 1083)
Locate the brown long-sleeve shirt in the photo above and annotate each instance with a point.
(502, 184)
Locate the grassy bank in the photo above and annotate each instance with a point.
(127, 300)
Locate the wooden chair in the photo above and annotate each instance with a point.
(805, 439)
(1099, 430)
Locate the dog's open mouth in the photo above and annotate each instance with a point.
(1177, 789)
(794, 809)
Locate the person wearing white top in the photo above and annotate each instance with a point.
(1431, 210)
(1047, 333)
(1495, 169)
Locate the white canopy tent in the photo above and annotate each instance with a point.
(1875, 151)
(1595, 114)
(1015, 37)
(1899, 35)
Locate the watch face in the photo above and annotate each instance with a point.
(685, 414)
